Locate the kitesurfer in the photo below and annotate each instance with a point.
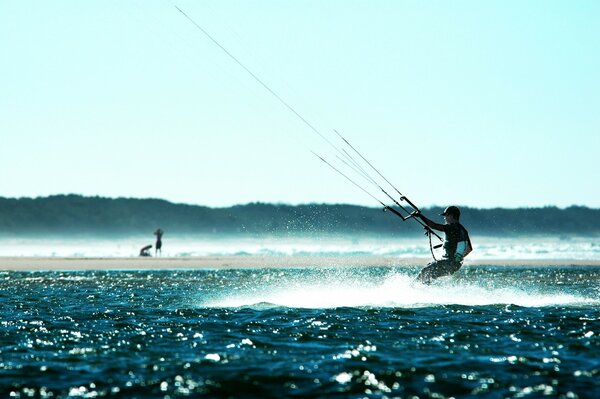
(457, 245)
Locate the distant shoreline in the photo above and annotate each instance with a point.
(78, 216)
(251, 262)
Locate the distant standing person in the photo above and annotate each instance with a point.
(457, 245)
(158, 247)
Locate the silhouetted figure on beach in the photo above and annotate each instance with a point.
(146, 250)
(158, 246)
(457, 245)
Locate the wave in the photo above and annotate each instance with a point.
(398, 289)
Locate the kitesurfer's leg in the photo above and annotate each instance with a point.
(425, 274)
(439, 268)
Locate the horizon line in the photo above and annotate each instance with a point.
(275, 203)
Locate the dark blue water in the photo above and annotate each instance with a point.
(492, 332)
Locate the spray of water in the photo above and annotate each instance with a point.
(394, 289)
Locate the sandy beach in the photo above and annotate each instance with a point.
(250, 261)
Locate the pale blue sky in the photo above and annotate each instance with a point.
(478, 103)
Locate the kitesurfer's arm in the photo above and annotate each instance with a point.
(430, 223)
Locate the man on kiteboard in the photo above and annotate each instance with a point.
(457, 245)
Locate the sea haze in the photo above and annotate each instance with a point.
(486, 248)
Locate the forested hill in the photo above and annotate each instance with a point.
(74, 215)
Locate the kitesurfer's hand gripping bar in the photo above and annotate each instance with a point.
(413, 214)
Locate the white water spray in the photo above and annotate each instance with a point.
(396, 290)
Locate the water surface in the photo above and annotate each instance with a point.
(370, 332)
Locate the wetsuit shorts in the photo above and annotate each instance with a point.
(438, 268)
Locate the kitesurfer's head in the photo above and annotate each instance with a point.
(451, 214)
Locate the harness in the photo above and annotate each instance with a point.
(464, 252)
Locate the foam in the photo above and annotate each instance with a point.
(396, 290)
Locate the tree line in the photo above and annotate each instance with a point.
(75, 215)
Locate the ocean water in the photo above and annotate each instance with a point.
(489, 332)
